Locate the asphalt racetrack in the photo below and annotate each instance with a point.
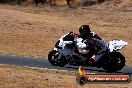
(43, 63)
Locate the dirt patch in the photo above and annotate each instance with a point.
(114, 4)
(23, 77)
(33, 31)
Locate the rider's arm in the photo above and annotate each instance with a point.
(76, 35)
(91, 43)
(94, 35)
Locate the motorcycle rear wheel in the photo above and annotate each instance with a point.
(115, 63)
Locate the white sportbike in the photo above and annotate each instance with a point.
(111, 61)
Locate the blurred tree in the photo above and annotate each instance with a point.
(70, 3)
(100, 1)
(3, 1)
(52, 2)
(18, 2)
(37, 2)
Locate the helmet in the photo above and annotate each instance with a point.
(84, 31)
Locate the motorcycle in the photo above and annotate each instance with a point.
(111, 61)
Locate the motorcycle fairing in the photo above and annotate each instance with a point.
(116, 45)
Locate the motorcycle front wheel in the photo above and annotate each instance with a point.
(56, 59)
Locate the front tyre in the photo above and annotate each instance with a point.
(115, 63)
(56, 59)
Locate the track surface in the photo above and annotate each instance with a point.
(43, 63)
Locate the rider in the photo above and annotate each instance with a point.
(92, 40)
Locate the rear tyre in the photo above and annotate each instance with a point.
(56, 59)
(115, 63)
